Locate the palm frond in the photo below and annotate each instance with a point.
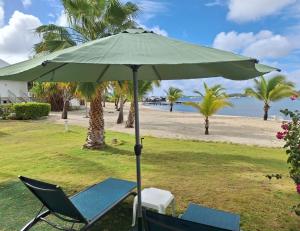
(213, 100)
(195, 105)
(173, 94)
(274, 89)
(198, 92)
(252, 92)
(88, 20)
(87, 90)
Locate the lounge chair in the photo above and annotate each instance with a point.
(195, 218)
(85, 207)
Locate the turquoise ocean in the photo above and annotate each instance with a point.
(243, 106)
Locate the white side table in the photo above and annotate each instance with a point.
(157, 199)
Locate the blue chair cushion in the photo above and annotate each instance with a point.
(98, 199)
(212, 217)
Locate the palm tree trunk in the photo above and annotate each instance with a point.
(64, 114)
(95, 135)
(130, 119)
(206, 126)
(104, 101)
(117, 103)
(266, 110)
(121, 114)
(86, 109)
(171, 107)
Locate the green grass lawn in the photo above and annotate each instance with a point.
(224, 176)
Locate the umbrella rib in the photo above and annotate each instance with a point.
(102, 73)
(52, 70)
(156, 72)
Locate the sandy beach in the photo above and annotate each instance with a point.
(185, 125)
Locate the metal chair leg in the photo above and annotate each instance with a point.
(35, 220)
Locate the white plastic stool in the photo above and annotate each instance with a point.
(157, 199)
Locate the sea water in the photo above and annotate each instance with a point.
(243, 106)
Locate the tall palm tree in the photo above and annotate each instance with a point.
(173, 94)
(88, 20)
(212, 101)
(144, 88)
(273, 89)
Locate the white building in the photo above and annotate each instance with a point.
(12, 91)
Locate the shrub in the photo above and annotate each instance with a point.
(27, 111)
(5, 111)
(291, 135)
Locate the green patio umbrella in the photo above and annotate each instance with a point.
(125, 55)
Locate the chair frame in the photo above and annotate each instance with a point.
(41, 215)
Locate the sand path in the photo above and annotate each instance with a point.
(184, 125)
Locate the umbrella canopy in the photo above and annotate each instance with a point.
(161, 58)
(127, 54)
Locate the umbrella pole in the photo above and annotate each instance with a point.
(138, 146)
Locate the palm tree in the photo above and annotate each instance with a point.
(120, 89)
(68, 92)
(213, 100)
(173, 94)
(95, 136)
(50, 93)
(88, 20)
(274, 89)
(144, 88)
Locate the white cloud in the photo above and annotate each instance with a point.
(215, 3)
(26, 3)
(264, 44)
(62, 19)
(245, 10)
(1, 13)
(158, 30)
(17, 37)
(151, 8)
(274, 46)
(232, 41)
(155, 29)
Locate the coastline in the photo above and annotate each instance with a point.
(187, 126)
(217, 115)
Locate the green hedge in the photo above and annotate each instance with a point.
(27, 111)
(6, 110)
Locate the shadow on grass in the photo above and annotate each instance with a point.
(3, 134)
(18, 206)
(117, 151)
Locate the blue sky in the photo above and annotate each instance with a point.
(265, 29)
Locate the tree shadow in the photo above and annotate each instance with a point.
(2, 134)
(114, 150)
